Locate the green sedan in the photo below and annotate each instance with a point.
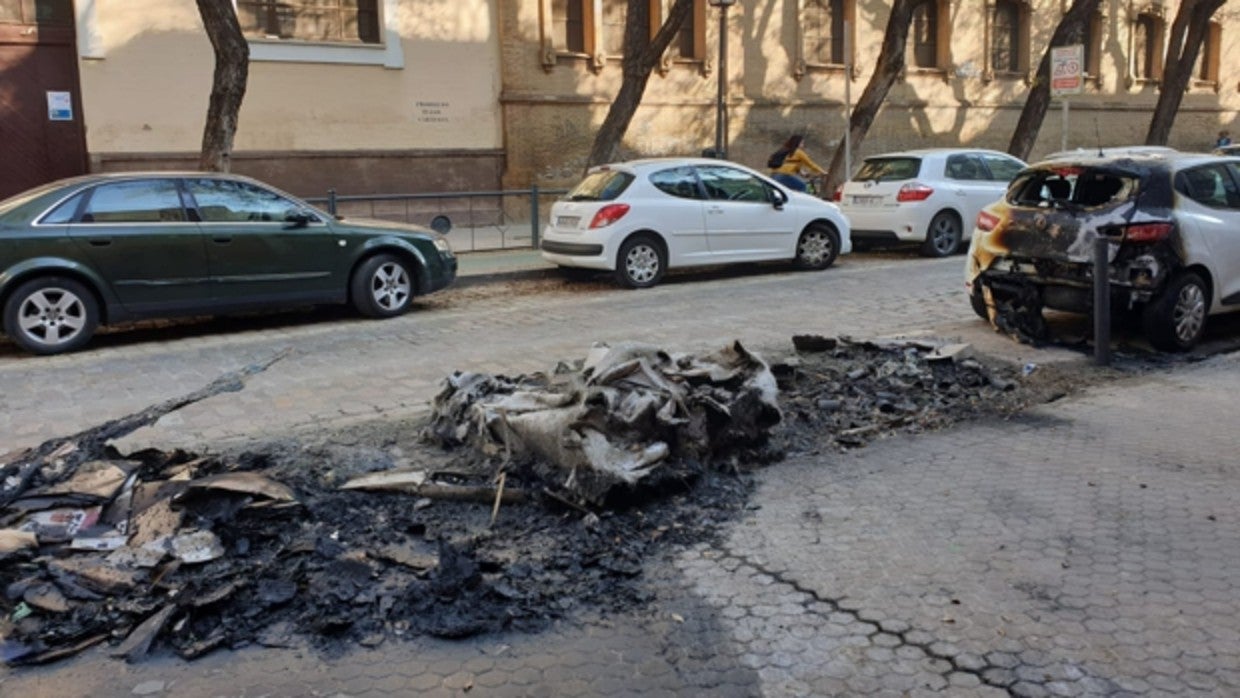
(109, 248)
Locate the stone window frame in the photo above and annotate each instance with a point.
(1206, 70)
(272, 18)
(942, 41)
(595, 55)
(805, 62)
(388, 53)
(1023, 21)
(1153, 17)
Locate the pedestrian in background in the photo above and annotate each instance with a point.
(1224, 138)
(790, 162)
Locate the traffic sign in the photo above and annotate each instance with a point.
(1067, 70)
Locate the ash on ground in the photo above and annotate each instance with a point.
(370, 535)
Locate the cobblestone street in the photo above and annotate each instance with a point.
(1088, 547)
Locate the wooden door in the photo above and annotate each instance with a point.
(42, 137)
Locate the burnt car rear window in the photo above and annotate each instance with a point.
(888, 169)
(604, 185)
(1079, 187)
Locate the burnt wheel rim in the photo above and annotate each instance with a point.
(944, 234)
(1189, 313)
(641, 264)
(52, 316)
(390, 287)
(814, 248)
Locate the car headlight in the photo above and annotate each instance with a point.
(442, 245)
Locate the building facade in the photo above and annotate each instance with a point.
(386, 96)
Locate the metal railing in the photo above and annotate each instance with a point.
(478, 220)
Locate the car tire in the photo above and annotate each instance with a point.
(943, 235)
(1176, 319)
(382, 286)
(978, 301)
(817, 247)
(641, 262)
(51, 315)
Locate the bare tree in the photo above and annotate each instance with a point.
(232, 67)
(1072, 29)
(641, 54)
(1188, 33)
(890, 65)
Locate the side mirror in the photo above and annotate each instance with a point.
(300, 218)
(778, 199)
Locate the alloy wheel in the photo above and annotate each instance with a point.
(1189, 313)
(390, 286)
(945, 235)
(52, 316)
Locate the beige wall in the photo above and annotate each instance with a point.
(510, 117)
(146, 91)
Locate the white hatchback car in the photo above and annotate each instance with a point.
(928, 196)
(643, 217)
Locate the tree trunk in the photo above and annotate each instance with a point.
(641, 55)
(232, 65)
(1071, 30)
(1188, 33)
(890, 65)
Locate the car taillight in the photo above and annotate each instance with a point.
(914, 191)
(839, 193)
(609, 214)
(1148, 232)
(986, 221)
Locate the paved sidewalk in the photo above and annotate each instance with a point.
(480, 267)
(1089, 548)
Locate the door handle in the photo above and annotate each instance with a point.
(714, 209)
(100, 242)
(221, 240)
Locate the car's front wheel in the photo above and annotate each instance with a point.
(51, 315)
(978, 301)
(382, 286)
(943, 235)
(1176, 319)
(817, 247)
(641, 262)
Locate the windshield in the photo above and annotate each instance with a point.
(604, 185)
(888, 169)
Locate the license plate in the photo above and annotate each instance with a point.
(867, 200)
(567, 221)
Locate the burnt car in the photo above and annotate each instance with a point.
(1172, 223)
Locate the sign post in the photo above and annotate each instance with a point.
(1067, 78)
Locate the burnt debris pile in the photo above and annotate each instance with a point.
(543, 495)
(842, 393)
(623, 415)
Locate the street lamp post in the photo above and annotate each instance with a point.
(721, 111)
